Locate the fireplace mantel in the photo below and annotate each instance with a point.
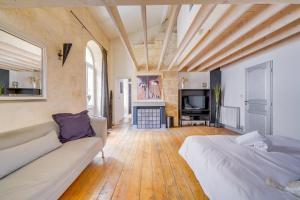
(148, 103)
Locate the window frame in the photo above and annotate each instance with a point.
(93, 67)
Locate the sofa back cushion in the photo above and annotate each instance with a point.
(73, 126)
(13, 158)
(23, 135)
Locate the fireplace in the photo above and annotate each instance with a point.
(148, 115)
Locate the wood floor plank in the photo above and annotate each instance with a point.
(146, 192)
(180, 178)
(190, 178)
(171, 185)
(107, 187)
(124, 180)
(134, 186)
(158, 181)
(110, 163)
(141, 164)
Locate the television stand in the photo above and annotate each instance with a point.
(190, 116)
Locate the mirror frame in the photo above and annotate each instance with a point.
(43, 71)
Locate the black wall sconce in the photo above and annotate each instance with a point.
(64, 54)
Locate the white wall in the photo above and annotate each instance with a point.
(122, 68)
(286, 86)
(194, 80)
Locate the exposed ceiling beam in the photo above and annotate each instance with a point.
(264, 32)
(286, 32)
(22, 66)
(85, 3)
(116, 18)
(18, 58)
(171, 22)
(8, 60)
(201, 16)
(229, 18)
(263, 16)
(144, 20)
(215, 17)
(17, 50)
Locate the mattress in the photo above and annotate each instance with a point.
(229, 171)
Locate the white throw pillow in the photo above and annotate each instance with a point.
(249, 138)
(15, 157)
(254, 140)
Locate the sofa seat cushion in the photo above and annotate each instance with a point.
(39, 179)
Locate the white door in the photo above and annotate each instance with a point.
(258, 102)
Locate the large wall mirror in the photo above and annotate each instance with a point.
(22, 68)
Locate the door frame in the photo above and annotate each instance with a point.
(269, 64)
(117, 93)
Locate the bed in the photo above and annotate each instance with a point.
(229, 171)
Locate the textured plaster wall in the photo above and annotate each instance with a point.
(66, 85)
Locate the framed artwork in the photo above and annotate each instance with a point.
(149, 87)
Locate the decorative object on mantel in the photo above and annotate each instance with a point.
(149, 87)
(62, 55)
(217, 93)
(183, 80)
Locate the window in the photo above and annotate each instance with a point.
(90, 78)
(93, 60)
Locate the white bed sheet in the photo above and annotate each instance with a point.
(228, 171)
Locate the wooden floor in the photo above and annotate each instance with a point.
(141, 164)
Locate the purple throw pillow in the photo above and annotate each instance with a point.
(73, 126)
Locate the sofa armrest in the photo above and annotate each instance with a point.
(99, 125)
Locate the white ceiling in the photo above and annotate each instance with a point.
(131, 18)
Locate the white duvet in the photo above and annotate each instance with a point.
(229, 171)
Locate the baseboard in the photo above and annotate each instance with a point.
(240, 131)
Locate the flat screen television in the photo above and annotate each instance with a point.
(194, 102)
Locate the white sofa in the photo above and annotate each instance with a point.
(47, 177)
